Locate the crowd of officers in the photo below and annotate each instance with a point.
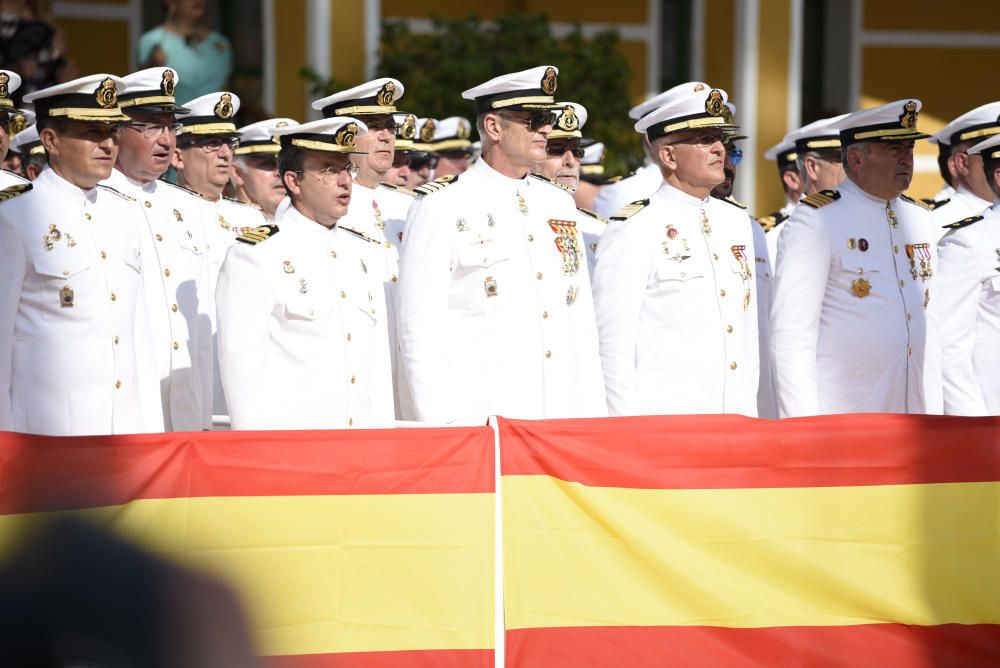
(335, 296)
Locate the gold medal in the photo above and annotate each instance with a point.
(522, 205)
(861, 288)
(66, 297)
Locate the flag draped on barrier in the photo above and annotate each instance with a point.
(724, 541)
(350, 548)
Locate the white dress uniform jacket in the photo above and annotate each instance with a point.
(962, 204)
(969, 288)
(850, 326)
(178, 297)
(767, 403)
(640, 185)
(677, 308)
(75, 353)
(592, 227)
(8, 179)
(302, 337)
(495, 308)
(223, 221)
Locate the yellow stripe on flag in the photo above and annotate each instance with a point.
(825, 556)
(323, 574)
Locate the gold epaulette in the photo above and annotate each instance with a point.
(553, 182)
(614, 179)
(630, 210)
(934, 204)
(771, 221)
(729, 199)
(180, 187)
(592, 214)
(10, 192)
(255, 207)
(109, 189)
(821, 199)
(962, 223)
(258, 234)
(921, 204)
(399, 189)
(436, 185)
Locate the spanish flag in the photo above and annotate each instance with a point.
(855, 540)
(346, 548)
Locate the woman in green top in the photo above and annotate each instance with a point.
(202, 57)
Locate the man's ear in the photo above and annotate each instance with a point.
(50, 140)
(792, 180)
(667, 155)
(492, 125)
(961, 163)
(177, 160)
(291, 181)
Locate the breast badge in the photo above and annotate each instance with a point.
(490, 286)
(66, 297)
(287, 267)
(861, 288)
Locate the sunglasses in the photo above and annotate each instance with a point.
(735, 154)
(536, 121)
(418, 163)
(559, 150)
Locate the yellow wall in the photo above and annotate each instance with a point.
(772, 100)
(719, 42)
(596, 11)
(963, 15)
(97, 46)
(290, 56)
(347, 42)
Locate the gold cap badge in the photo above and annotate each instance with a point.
(387, 95)
(464, 129)
(345, 136)
(18, 122)
(224, 109)
(4, 80)
(568, 120)
(908, 119)
(167, 83)
(714, 104)
(408, 130)
(427, 131)
(106, 94)
(549, 82)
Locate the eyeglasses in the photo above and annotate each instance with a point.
(536, 121)
(211, 144)
(400, 160)
(559, 150)
(330, 173)
(455, 155)
(735, 154)
(150, 130)
(418, 163)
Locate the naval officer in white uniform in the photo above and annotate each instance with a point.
(969, 287)
(303, 341)
(9, 82)
(75, 353)
(495, 308)
(851, 328)
(674, 285)
(175, 257)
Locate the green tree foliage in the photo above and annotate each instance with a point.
(458, 54)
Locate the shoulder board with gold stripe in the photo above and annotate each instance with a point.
(236, 201)
(962, 223)
(179, 187)
(359, 235)
(729, 199)
(256, 235)
(630, 210)
(934, 204)
(592, 214)
(436, 185)
(917, 202)
(614, 179)
(399, 189)
(771, 221)
(821, 199)
(551, 181)
(109, 189)
(10, 192)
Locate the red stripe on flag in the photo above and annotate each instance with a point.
(439, 658)
(889, 645)
(39, 473)
(730, 451)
